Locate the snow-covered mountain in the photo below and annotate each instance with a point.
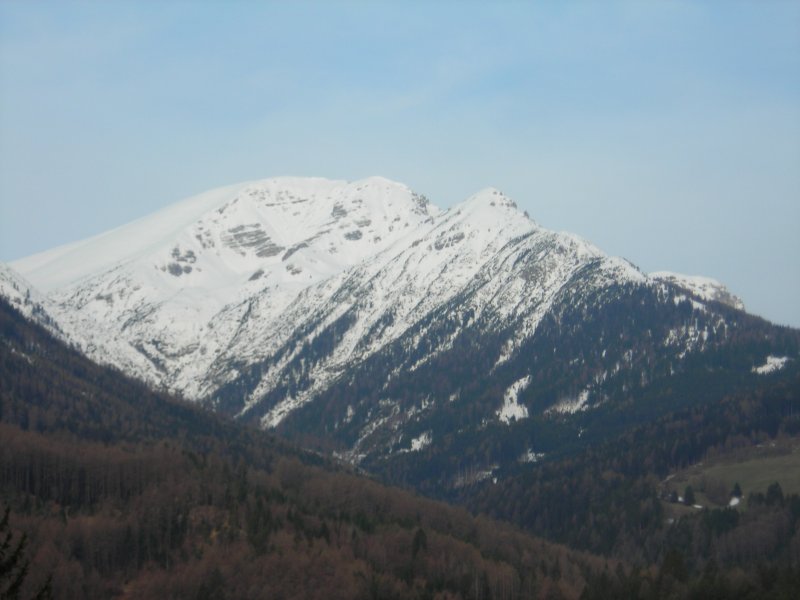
(164, 297)
(362, 315)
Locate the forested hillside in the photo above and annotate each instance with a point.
(615, 499)
(124, 492)
(594, 371)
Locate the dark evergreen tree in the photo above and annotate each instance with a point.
(420, 542)
(688, 496)
(737, 491)
(774, 495)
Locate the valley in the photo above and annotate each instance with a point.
(753, 467)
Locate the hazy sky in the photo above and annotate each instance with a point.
(664, 132)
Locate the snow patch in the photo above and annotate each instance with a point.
(471, 476)
(418, 443)
(773, 364)
(280, 411)
(571, 405)
(511, 408)
(529, 456)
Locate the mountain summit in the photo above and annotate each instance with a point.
(164, 293)
(361, 316)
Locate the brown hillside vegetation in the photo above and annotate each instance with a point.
(126, 493)
(161, 521)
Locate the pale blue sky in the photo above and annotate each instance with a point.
(664, 132)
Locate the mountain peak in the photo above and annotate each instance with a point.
(379, 181)
(245, 225)
(490, 209)
(492, 197)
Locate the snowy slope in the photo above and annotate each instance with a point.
(482, 261)
(18, 291)
(68, 264)
(20, 294)
(163, 297)
(400, 286)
